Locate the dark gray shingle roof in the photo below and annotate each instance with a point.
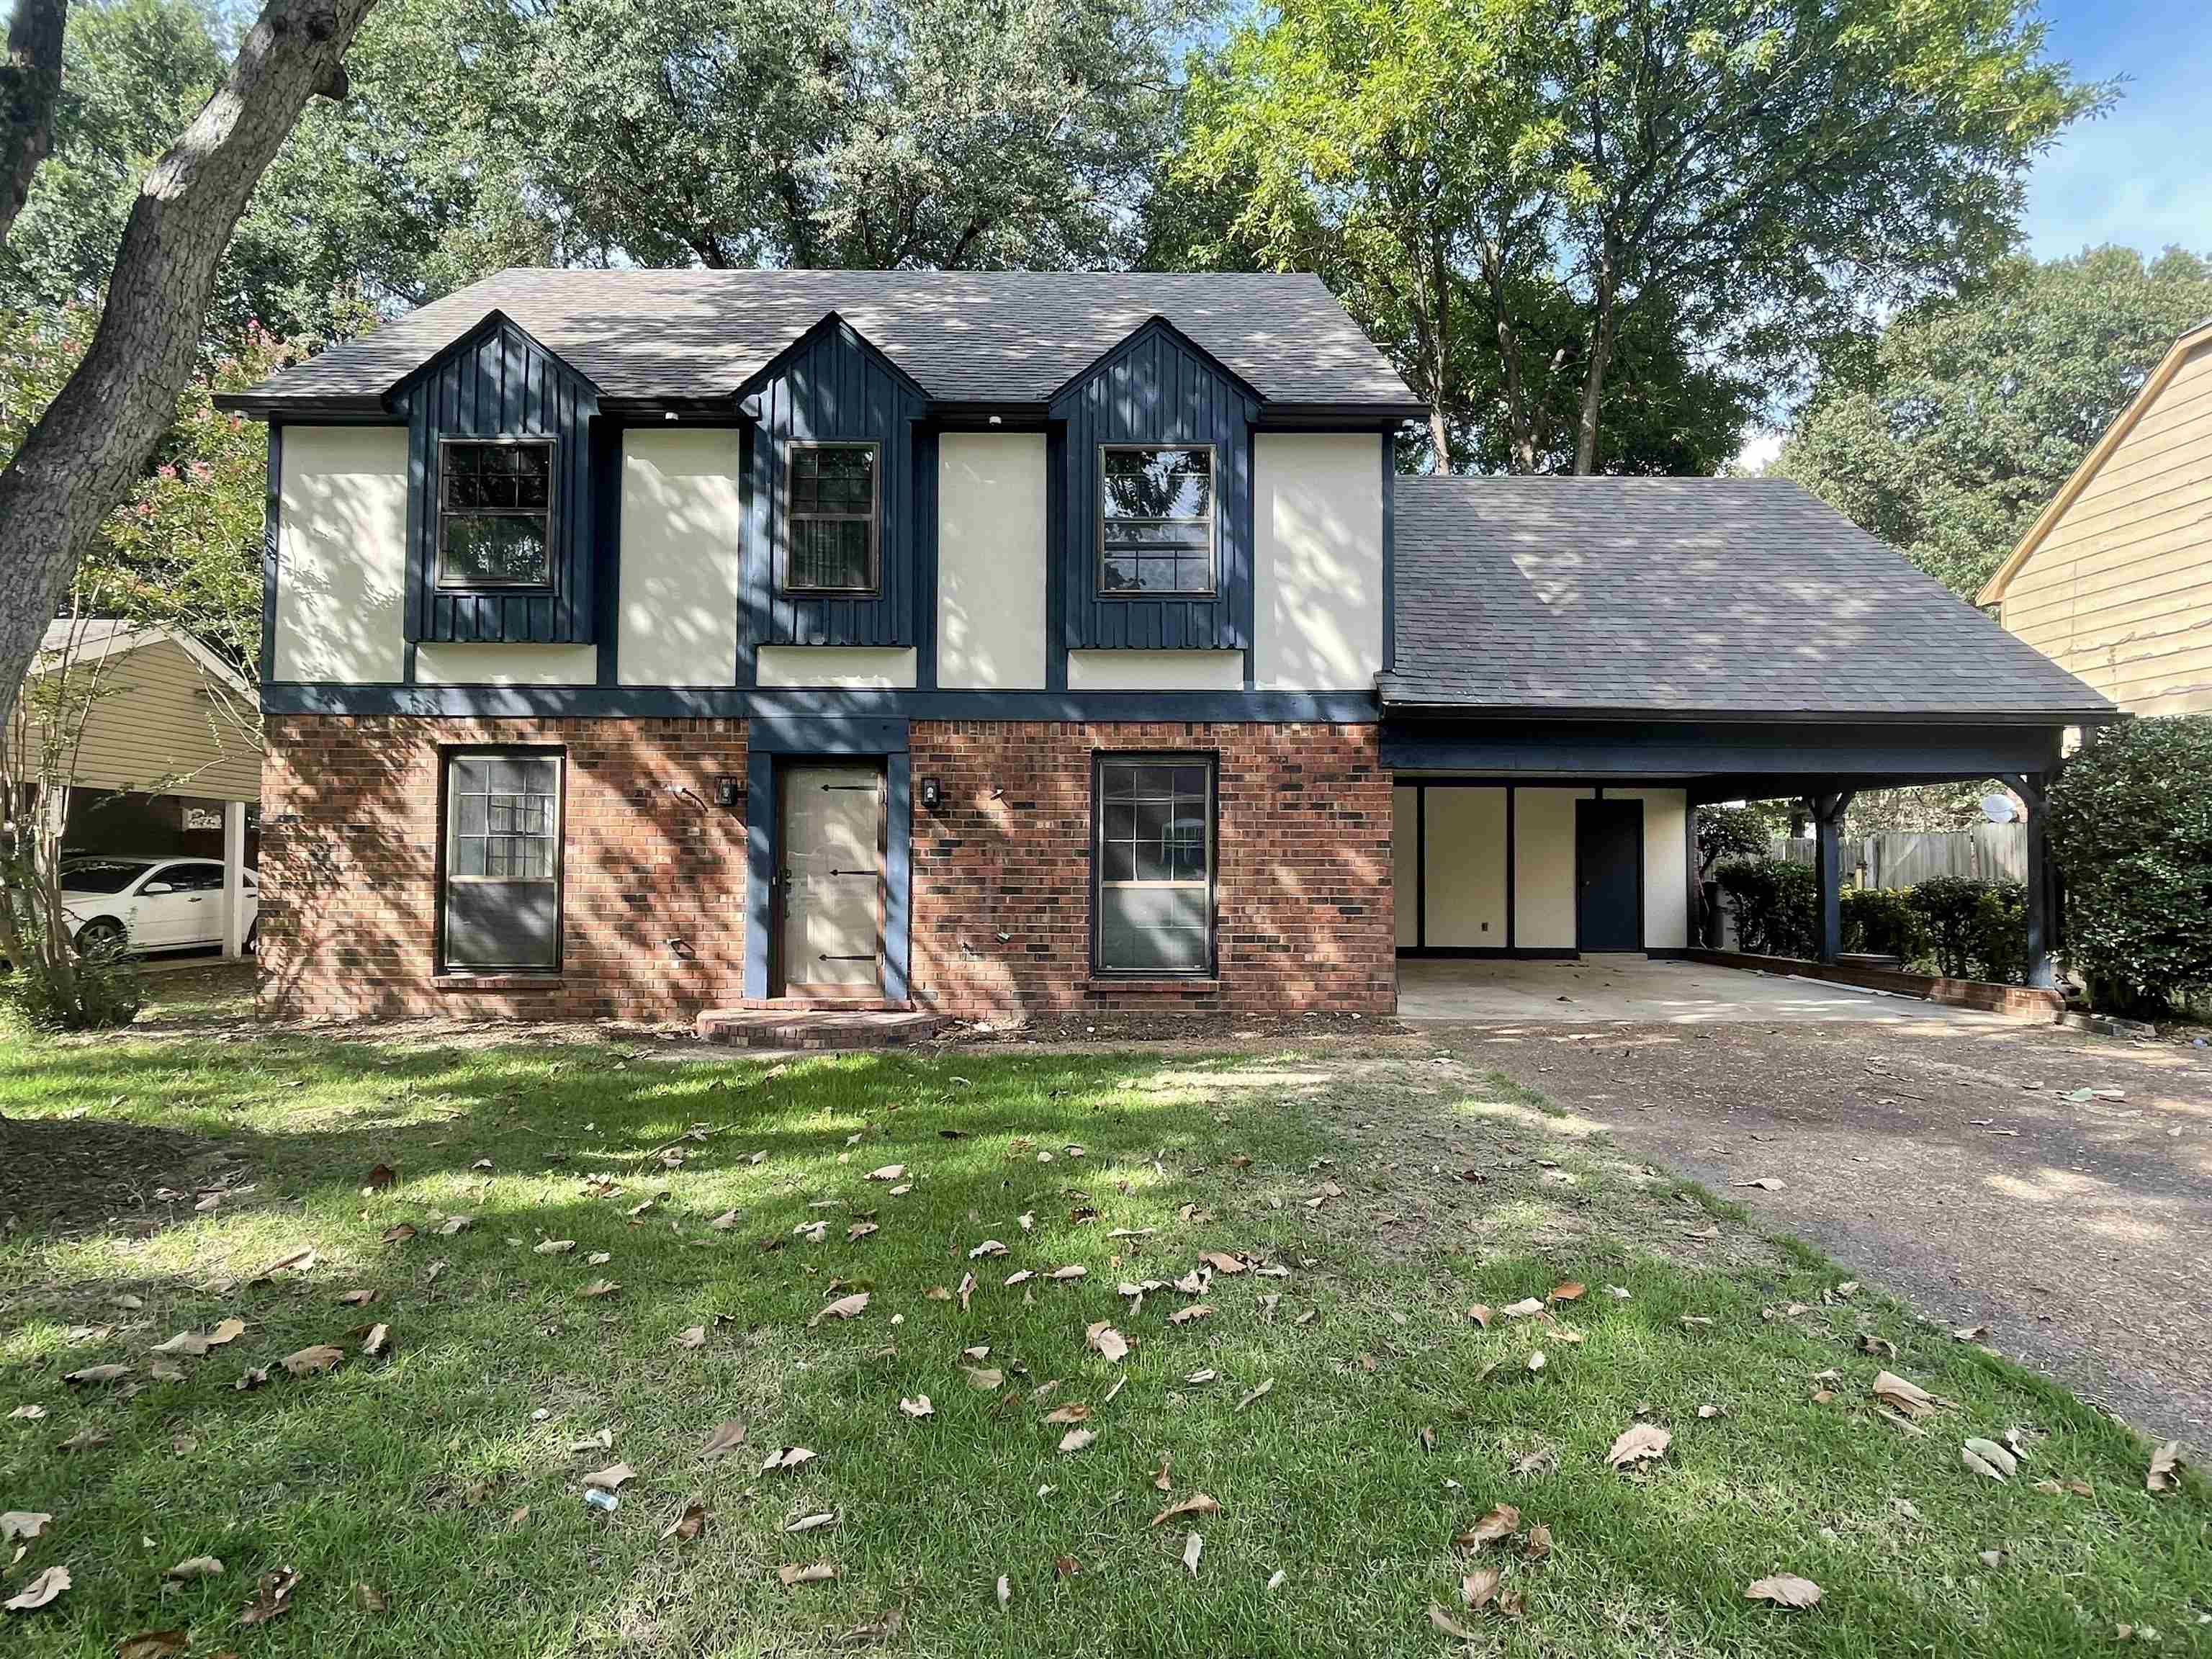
(1685, 595)
(1003, 336)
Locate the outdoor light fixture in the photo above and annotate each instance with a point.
(729, 790)
(930, 794)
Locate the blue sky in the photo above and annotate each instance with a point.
(2142, 175)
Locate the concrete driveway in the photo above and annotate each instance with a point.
(2054, 1187)
(1633, 987)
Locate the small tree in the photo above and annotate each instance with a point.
(2131, 827)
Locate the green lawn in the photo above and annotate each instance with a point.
(439, 1474)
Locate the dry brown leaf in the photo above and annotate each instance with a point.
(1908, 1397)
(1527, 1307)
(1184, 1316)
(1107, 1341)
(374, 1339)
(381, 1176)
(271, 1596)
(1222, 1262)
(1263, 1390)
(689, 1524)
(399, 1235)
(151, 1645)
(610, 1479)
(1197, 1504)
(1071, 1271)
(189, 1345)
(1074, 1411)
(786, 1457)
(553, 1246)
(1076, 1439)
(97, 1374)
(727, 1219)
(889, 1172)
(1503, 1522)
(22, 1524)
(312, 1362)
(1639, 1443)
(1441, 1620)
(691, 1336)
(1540, 1541)
(979, 1377)
(859, 1230)
(811, 1522)
(1160, 1474)
(1479, 1589)
(2162, 1475)
(369, 1598)
(989, 1247)
(1568, 1292)
(1784, 1591)
(918, 1406)
(599, 1287)
(40, 1591)
(812, 1573)
(1191, 1547)
(352, 1299)
(1481, 1314)
(845, 1307)
(198, 1566)
(1988, 1458)
(227, 1331)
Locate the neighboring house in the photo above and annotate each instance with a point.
(165, 766)
(2114, 579)
(640, 641)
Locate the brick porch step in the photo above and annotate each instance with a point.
(814, 1025)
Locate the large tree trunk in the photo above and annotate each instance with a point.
(29, 83)
(98, 435)
(1602, 322)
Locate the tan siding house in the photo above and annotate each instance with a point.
(2114, 581)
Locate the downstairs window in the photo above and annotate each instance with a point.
(1152, 906)
(500, 910)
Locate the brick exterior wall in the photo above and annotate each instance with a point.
(1000, 899)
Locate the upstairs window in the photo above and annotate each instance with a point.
(832, 532)
(496, 512)
(1156, 520)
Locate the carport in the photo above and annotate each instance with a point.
(1581, 663)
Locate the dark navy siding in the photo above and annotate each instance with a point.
(833, 388)
(499, 382)
(1156, 388)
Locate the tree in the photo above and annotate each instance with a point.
(1975, 411)
(30, 82)
(1757, 178)
(96, 438)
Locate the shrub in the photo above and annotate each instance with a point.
(2131, 827)
(1776, 904)
(1882, 921)
(1996, 933)
(1947, 906)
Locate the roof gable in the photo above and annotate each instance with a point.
(516, 345)
(2115, 434)
(851, 338)
(1155, 329)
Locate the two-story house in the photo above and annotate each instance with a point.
(640, 642)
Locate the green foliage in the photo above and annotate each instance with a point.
(1882, 921)
(1976, 410)
(1974, 929)
(45, 985)
(1776, 905)
(102, 992)
(1525, 201)
(1948, 906)
(2131, 827)
(1730, 832)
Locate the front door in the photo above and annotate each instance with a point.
(830, 877)
(1608, 875)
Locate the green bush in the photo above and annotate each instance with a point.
(2131, 827)
(1777, 904)
(1947, 905)
(98, 993)
(1996, 933)
(1882, 921)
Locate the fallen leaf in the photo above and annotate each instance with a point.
(190, 1345)
(989, 1247)
(1784, 1591)
(369, 1598)
(727, 1219)
(610, 1479)
(1071, 1271)
(786, 1457)
(1076, 1439)
(553, 1247)
(271, 1596)
(399, 1235)
(1191, 1547)
(374, 1339)
(2161, 1476)
(1160, 1474)
(814, 1573)
(312, 1362)
(1481, 1314)
(198, 1566)
(1265, 1389)
(1197, 1504)
(97, 1374)
(151, 1645)
(226, 1332)
(1479, 1589)
(381, 1176)
(1908, 1397)
(978, 1377)
(845, 1307)
(27, 1414)
(918, 1406)
(1073, 1412)
(1221, 1263)
(1765, 1183)
(1503, 1522)
(1184, 1316)
(599, 1287)
(22, 1524)
(1988, 1458)
(1441, 1620)
(1540, 1541)
(1639, 1443)
(1524, 1308)
(1107, 1341)
(689, 1524)
(691, 1336)
(859, 1230)
(811, 1522)
(252, 1379)
(1568, 1292)
(350, 1299)
(889, 1172)
(726, 1438)
(40, 1591)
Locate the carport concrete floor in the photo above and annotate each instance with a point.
(1634, 988)
(2051, 1186)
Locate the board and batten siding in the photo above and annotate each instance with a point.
(1156, 388)
(2118, 591)
(342, 564)
(500, 383)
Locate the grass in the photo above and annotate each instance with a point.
(439, 1474)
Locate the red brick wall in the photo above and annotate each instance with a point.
(348, 907)
(1302, 884)
(349, 889)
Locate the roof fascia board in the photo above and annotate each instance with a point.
(2086, 715)
(2168, 366)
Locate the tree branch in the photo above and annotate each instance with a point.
(29, 84)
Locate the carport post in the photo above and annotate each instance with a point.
(1827, 866)
(2042, 898)
(233, 880)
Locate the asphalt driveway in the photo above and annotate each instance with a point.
(1964, 1166)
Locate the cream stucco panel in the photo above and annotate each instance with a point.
(1465, 884)
(682, 555)
(1155, 670)
(482, 664)
(991, 561)
(341, 554)
(842, 667)
(1318, 515)
(1544, 883)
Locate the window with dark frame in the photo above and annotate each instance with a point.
(502, 903)
(496, 512)
(1156, 520)
(1154, 864)
(832, 529)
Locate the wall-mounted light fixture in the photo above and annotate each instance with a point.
(931, 794)
(729, 791)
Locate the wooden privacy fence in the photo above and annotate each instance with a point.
(1988, 852)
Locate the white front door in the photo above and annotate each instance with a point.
(831, 878)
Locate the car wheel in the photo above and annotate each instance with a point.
(100, 937)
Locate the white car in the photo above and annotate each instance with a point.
(149, 904)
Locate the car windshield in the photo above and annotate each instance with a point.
(100, 875)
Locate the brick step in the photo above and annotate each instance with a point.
(813, 1026)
